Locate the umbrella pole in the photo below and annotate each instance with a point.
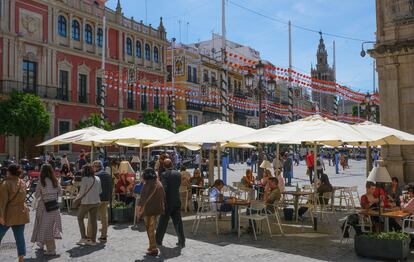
(92, 151)
(218, 159)
(148, 157)
(140, 157)
(367, 158)
(201, 158)
(277, 159)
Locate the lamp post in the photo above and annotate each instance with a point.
(369, 108)
(260, 90)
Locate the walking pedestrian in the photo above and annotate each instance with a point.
(90, 190)
(48, 223)
(310, 163)
(287, 168)
(105, 197)
(320, 166)
(13, 210)
(171, 181)
(150, 206)
(254, 159)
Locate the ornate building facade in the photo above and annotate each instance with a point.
(53, 49)
(323, 71)
(394, 54)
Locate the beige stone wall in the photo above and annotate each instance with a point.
(394, 53)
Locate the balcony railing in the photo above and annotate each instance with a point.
(48, 92)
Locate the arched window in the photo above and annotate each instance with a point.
(75, 30)
(62, 26)
(88, 34)
(129, 46)
(147, 52)
(138, 50)
(99, 37)
(156, 54)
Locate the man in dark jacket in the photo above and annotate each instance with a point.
(105, 196)
(171, 181)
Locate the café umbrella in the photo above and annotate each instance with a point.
(138, 135)
(78, 137)
(315, 130)
(215, 133)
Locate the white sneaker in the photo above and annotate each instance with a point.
(90, 243)
(82, 241)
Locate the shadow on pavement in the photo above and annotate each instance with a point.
(165, 253)
(81, 251)
(41, 257)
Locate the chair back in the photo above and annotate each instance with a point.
(257, 206)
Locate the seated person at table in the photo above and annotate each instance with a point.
(216, 197)
(394, 192)
(124, 188)
(263, 183)
(66, 175)
(407, 205)
(371, 202)
(324, 187)
(380, 192)
(248, 179)
(272, 193)
(196, 180)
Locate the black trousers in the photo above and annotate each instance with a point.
(175, 215)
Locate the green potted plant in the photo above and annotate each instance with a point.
(122, 213)
(390, 245)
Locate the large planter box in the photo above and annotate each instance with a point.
(122, 215)
(382, 248)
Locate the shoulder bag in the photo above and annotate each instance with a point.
(77, 201)
(51, 205)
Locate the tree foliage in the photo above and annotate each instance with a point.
(183, 127)
(23, 115)
(126, 122)
(94, 120)
(158, 119)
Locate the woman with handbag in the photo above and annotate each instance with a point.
(88, 201)
(150, 206)
(13, 210)
(48, 223)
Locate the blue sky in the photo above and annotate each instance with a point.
(351, 18)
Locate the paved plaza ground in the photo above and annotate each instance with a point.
(300, 242)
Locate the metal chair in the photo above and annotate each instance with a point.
(364, 222)
(68, 195)
(206, 210)
(256, 212)
(276, 210)
(408, 224)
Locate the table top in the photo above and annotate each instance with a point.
(385, 213)
(298, 193)
(197, 186)
(396, 214)
(237, 202)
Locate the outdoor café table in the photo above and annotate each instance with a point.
(387, 214)
(296, 195)
(197, 188)
(236, 203)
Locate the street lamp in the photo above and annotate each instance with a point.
(249, 77)
(260, 67)
(363, 52)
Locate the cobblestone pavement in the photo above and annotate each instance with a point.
(300, 242)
